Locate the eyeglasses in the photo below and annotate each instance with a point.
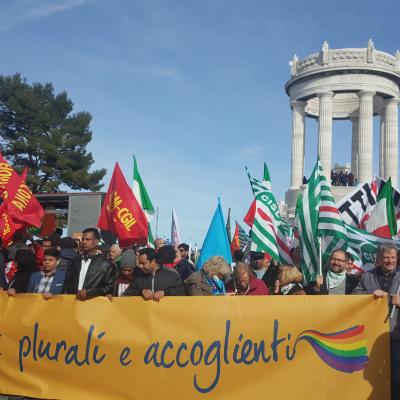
(338, 260)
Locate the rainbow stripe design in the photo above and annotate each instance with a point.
(345, 351)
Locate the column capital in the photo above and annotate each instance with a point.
(366, 93)
(391, 101)
(325, 95)
(298, 105)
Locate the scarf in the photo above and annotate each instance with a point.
(287, 288)
(334, 279)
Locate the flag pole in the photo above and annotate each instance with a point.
(394, 306)
(320, 257)
(157, 223)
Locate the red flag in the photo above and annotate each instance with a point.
(6, 172)
(249, 218)
(22, 205)
(7, 225)
(121, 212)
(235, 244)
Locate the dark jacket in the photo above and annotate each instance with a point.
(99, 280)
(67, 255)
(57, 286)
(118, 279)
(351, 283)
(270, 276)
(369, 282)
(3, 282)
(164, 279)
(184, 268)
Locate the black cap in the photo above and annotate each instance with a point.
(256, 255)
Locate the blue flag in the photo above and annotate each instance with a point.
(216, 242)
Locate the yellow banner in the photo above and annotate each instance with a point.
(280, 347)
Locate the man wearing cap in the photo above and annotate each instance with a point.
(91, 274)
(264, 270)
(127, 272)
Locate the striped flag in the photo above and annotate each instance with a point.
(307, 209)
(263, 231)
(363, 246)
(283, 231)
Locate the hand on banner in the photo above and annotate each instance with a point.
(276, 286)
(81, 295)
(147, 294)
(318, 283)
(395, 299)
(109, 297)
(11, 292)
(158, 295)
(379, 293)
(47, 296)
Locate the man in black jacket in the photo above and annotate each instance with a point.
(156, 281)
(91, 274)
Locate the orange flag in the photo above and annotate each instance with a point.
(235, 244)
(121, 213)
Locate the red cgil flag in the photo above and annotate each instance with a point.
(7, 225)
(121, 213)
(22, 205)
(6, 173)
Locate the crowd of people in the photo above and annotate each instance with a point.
(87, 269)
(342, 178)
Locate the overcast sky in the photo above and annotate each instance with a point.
(195, 89)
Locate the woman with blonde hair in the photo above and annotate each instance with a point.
(290, 279)
(210, 279)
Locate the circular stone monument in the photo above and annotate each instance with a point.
(349, 84)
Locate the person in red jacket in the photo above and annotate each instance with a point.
(244, 282)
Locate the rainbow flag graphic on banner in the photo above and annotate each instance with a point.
(345, 351)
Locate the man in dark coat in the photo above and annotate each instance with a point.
(384, 281)
(91, 274)
(265, 270)
(156, 281)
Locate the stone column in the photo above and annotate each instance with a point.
(298, 133)
(365, 131)
(390, 153)
(325, 132)
(382, 139)
(354, 147)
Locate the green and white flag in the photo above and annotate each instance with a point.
(307, 209)
(319, 224)
(363, 246)
(140, 192)
(263, 230)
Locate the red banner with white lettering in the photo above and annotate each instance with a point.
(121, 213)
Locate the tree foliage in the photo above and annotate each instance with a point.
(39, 130)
